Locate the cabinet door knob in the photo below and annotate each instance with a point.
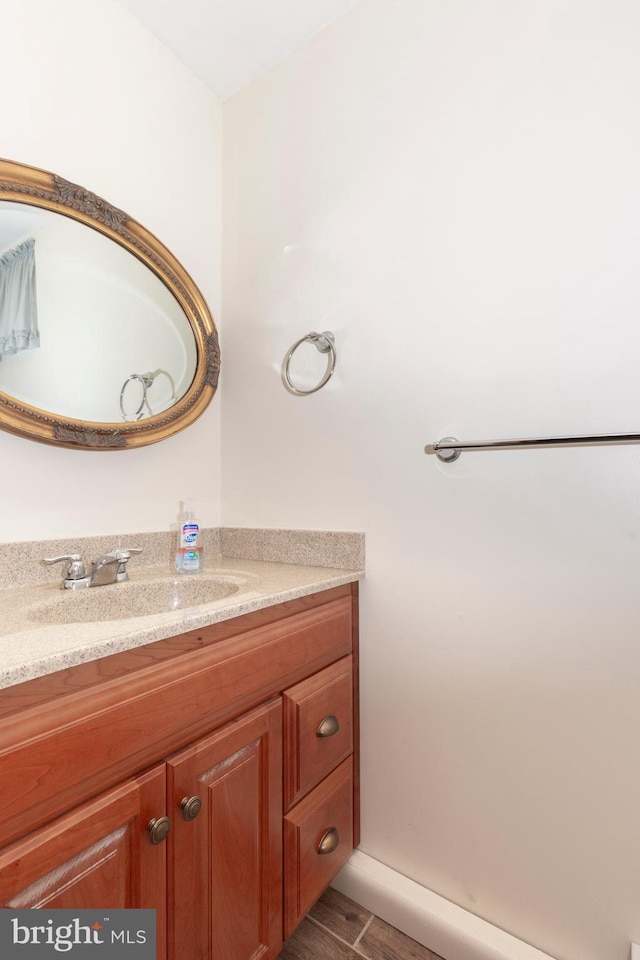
(328, 726)
(190, 807)
(158, 828)
(328, 841)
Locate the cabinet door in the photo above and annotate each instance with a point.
(225, 864)
(97, 856)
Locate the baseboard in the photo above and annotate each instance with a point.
(441, 926)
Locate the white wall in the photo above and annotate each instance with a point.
(452, 188)
(90, 95)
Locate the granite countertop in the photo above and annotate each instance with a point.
(33, 644)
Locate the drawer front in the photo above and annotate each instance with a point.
(318, 840)
(318, 716)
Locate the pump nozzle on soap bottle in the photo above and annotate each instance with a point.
(188, 551)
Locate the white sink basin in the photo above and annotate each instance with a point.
(123, 601)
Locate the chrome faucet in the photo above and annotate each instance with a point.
(109, 568)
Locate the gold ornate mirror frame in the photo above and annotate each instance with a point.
(29, 185)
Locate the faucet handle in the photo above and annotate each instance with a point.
(76, 569)
(123, 553)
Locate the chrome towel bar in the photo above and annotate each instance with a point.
(449, 449)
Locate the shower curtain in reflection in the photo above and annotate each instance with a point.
(18, 307)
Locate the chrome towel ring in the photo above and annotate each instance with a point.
(146, 381)
(325, 343)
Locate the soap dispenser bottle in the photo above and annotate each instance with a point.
(188, 551)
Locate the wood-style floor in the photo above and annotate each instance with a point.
(339, 929)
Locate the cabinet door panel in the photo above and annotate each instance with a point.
(225, 872)
(97, 856)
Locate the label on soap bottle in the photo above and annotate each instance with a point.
(189, 534)
(191, 560)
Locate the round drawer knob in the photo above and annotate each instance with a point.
(328, 726)
(191, 807)
(328, 841)
(158, 828)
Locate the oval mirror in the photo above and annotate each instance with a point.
(106, 343)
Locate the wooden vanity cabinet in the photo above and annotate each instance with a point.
(216, 730)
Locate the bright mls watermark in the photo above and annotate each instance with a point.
(78, 934)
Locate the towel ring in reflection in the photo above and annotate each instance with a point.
(146, 380)
(325, 343)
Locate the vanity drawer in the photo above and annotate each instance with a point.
(318, 840)
(318, 723)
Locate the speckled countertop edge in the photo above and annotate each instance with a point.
(29, 650)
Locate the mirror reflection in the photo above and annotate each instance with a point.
(106, 343)
(89, 332)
